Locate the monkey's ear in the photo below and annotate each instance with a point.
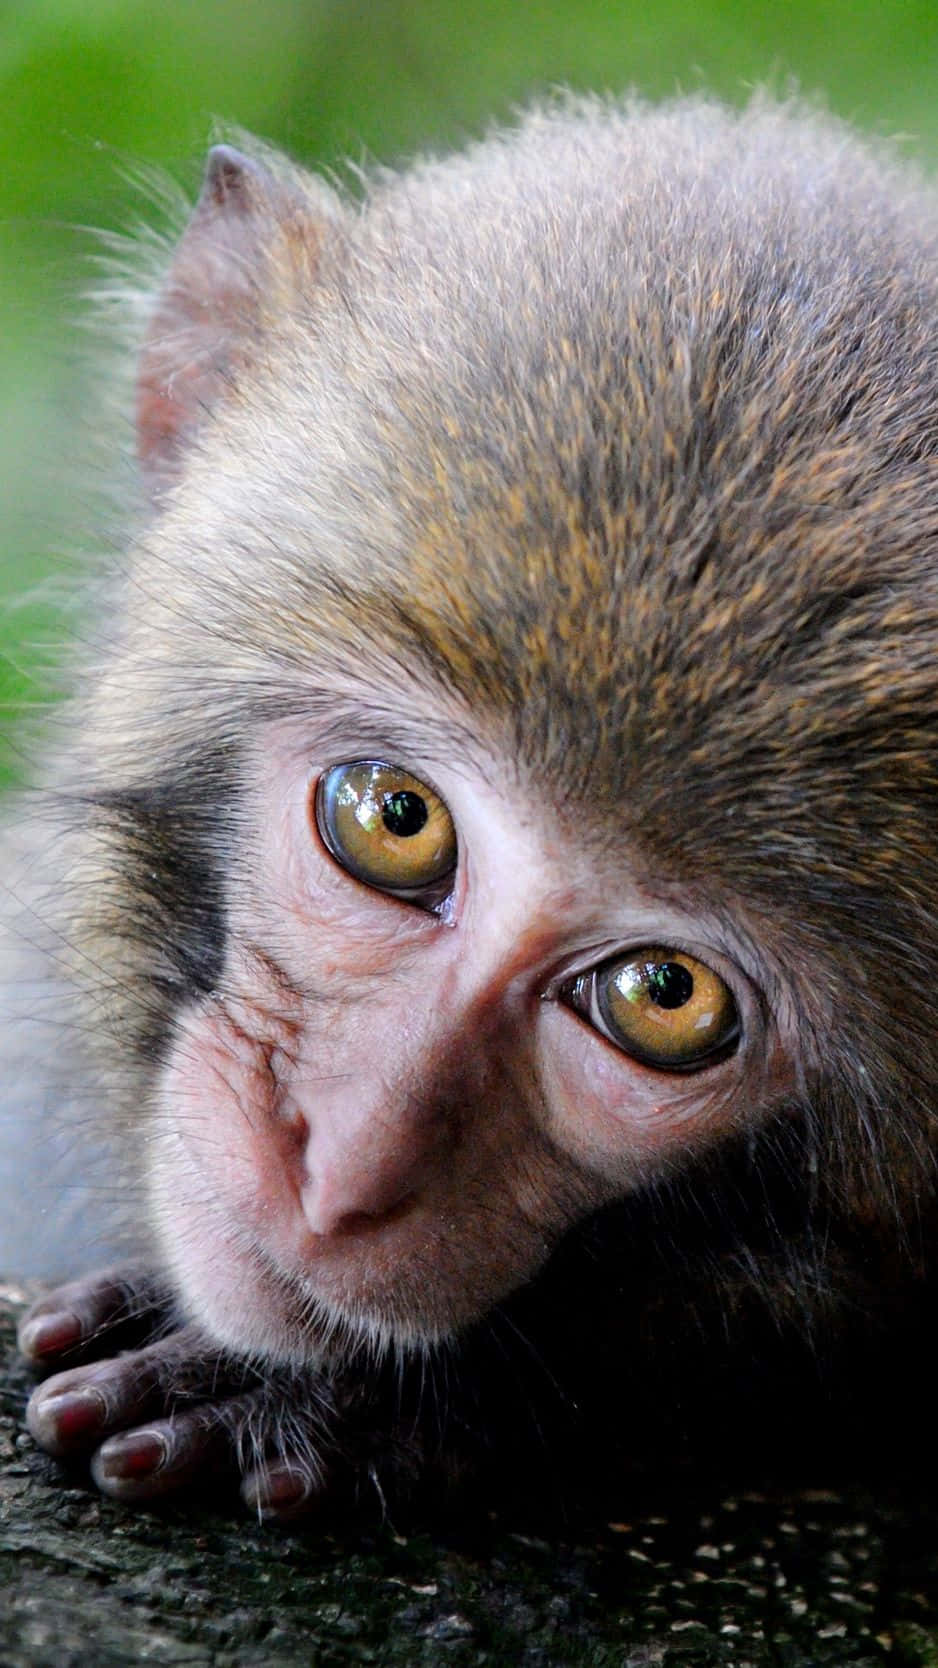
(252, 245)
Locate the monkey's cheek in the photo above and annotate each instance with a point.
(218, 1181)
(214, 1252)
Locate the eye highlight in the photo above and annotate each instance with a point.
(388, 829)
(661, 1006)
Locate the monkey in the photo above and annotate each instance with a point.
(481, 903)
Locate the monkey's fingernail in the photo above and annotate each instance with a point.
(45, 1335)
(128, 1458)
(276, 1492)
(65, 1419)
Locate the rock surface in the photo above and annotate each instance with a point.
(743, 1582)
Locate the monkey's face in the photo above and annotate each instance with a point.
(449, 1023)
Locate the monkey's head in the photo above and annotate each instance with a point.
(513, 773)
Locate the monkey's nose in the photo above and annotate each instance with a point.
(362, 1201)
(371, 1153)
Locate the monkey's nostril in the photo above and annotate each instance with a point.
(295, 1120)
(356, 1223)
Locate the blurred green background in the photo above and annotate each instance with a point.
(91, 91)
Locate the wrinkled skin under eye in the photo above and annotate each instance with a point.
(388, 829)
(661, 1006)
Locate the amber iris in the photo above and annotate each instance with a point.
(662, 1006)
(388, 829)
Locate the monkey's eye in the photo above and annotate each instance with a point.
(661, 1006)
(387, 829)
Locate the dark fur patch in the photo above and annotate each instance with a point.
(167, 844)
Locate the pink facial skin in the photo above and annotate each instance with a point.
(385, 1117)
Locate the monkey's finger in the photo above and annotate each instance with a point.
(167, 1455)
(72, 1412)
(75, 1317)
(284, 1489)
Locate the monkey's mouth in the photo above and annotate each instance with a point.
(397, 1283)
(272, 1270)
(248, 1268)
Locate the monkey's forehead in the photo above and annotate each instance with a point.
(623, 427)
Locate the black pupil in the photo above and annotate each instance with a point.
(669, 984)
(403, 813)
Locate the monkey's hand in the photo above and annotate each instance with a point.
(157, 1407)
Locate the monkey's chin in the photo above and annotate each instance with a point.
(261, 1314)
(284, 1321)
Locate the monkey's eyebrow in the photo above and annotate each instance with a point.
(368, 724)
